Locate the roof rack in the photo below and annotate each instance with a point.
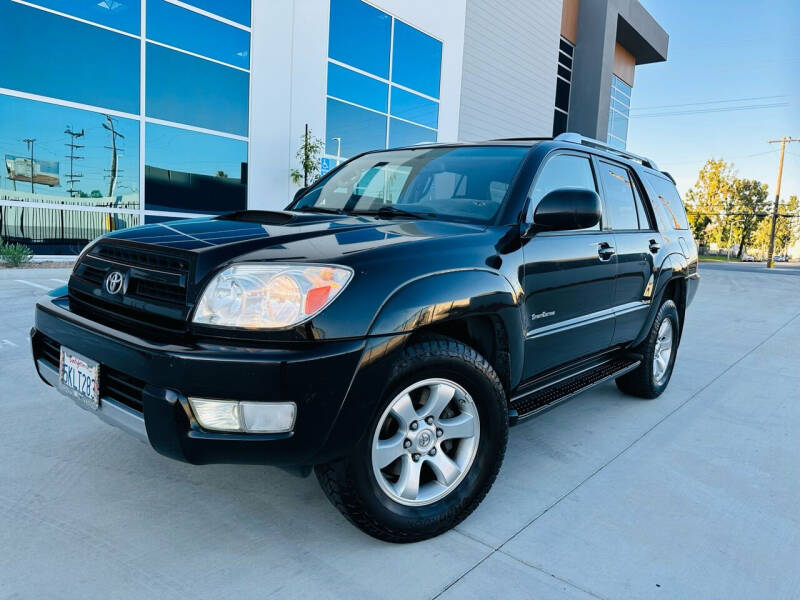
(523, 139)
(576, 138)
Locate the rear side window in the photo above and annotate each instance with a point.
(667, 203)
(621, 197)
(563, 171)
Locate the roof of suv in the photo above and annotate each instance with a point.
(568, 139)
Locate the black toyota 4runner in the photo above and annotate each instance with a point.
(388, 326)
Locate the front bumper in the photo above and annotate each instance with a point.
(151, 403)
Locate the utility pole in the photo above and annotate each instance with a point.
(783, 141)
(73, 176)
(113, 170)
(29, 142)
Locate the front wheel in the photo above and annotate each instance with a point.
(432, 452)
(658, 350)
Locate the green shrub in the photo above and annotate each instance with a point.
(14, 255)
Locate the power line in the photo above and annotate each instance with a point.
(710, 110)
(708, 102)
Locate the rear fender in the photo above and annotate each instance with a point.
(675, 265)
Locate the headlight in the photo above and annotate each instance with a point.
(269, 296)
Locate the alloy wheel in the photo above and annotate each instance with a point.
(662, 351)
(425, 442)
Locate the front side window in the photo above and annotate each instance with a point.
(461, 184)
(619, 193)
(563, 171)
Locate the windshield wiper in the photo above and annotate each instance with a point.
(320, 209)
(388, 211)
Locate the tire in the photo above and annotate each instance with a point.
(369, 496)
(650, 379)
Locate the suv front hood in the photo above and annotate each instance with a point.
(285, 235)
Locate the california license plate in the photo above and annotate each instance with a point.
(79, 378)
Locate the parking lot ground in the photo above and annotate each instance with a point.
(692, 495)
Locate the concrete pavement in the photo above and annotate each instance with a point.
(692, 495)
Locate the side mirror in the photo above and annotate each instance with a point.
(567, 208)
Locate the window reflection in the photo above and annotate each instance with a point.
(191, 31)
(119, 14)
(54, 56)
(416, 60)
(193, 91)
(414, 108)
(187, 171)
(59, 231)
(406, 134)
(353, 87)
(359, 35)
(235, 10)
(74, 159)
(359, 130)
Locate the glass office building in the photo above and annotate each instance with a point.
(115, 113)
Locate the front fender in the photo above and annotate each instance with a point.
(454, 295)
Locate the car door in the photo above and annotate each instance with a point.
(637, 244)
(569, 276)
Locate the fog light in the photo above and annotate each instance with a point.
(217, 415)
(251, 417)
(268, 417)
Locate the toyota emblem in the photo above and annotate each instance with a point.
(114, 281)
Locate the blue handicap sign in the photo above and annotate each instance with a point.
(325, 165)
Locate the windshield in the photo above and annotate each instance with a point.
(462, 184)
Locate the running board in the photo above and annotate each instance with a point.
(541, 399)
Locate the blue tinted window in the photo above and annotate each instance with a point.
(417, 60)
(86, 181)
(359, 35)
(235, 10)
(414, 108)
(188, 30)
(406, 134)
(53, 56)
(119, 14)
(349, 85)
(194, 172)
(190, 90)
(359, 129)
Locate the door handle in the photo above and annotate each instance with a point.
(605, 250)
(654, 246)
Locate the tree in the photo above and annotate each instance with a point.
(222, 174)
(308, 154)
(750, 199)
(786, 228)
(710, 202)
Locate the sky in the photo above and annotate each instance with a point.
(731, 82)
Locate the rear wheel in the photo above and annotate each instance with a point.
(432, 452)
(658, 350)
